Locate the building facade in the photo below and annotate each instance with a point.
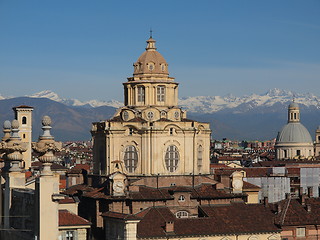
(151, 135)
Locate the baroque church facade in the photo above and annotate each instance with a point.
(151, 135)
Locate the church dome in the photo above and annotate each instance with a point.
(294, 105)
(294, 132)
(151, 62)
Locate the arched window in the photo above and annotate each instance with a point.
(24, 120)
(141, 93)
(172, 158)
(130, 158)
(160, 93)
(199, 159)
(182, 214)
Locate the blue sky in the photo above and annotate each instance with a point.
(85, 49)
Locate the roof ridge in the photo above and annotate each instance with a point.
(286, 209)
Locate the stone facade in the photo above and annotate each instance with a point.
(151, 135)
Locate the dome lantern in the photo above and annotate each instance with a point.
(293, 112)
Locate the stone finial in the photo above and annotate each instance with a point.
(46, 127)
(6, 130)
(46, 147)
(15, 129)
(12, 146)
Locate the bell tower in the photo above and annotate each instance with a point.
(24, 116)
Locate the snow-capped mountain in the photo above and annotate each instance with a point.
(75, 102)
(210, 104)
(206, 104)
(248, 117)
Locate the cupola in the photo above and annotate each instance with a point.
(151, 62)
(293, 112)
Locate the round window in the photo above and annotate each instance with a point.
(150, 115)
(125, 116)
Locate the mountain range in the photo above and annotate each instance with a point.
(251, 117)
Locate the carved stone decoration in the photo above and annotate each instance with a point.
(13, 147)
(118, 184)
(237, 182)
(46, 147)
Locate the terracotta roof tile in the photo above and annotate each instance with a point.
(82, 166)
(22, 106)
(67, 200)
(247, 185)
(257, 172)
(293, 171)
(290, 212)
(54, 166)
(75, 188)
(119, 215)
(208, 191)
(67, 218)
(228, 219)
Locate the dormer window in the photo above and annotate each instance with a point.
(151, 66)
(163, 67)
(182, 214)
(181, 198)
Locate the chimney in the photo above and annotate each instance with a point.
(303, 199)
(169, 226)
